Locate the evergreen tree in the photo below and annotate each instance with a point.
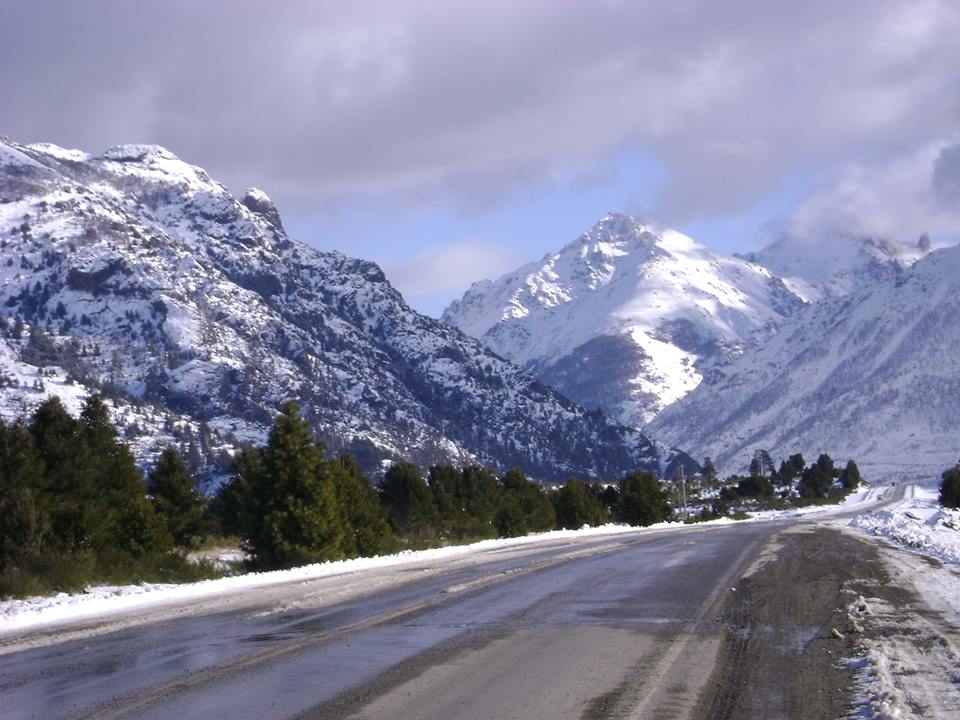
(799, 464)
(818, 478)
(850, 475)
(69, 493)
(642, 500)
(176, 499)
(444, 482)
(509, 520)
(480, 496)
(369, 532)
(767, 468)
(409, 503)
(786, 475)
(24, 524)
(534, 503)
(136, 529)
(108, 471)
(950, 487)
(709, 473)
(233, 507)
(294, 501)
(575, 506)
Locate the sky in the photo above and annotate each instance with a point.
(452, 141)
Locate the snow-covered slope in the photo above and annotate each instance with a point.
(627, 317)
(152, 283)
(835, 264)
(873, 374)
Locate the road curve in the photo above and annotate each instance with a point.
(619, 626)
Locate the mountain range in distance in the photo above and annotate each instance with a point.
(800, 347)
(135, 274)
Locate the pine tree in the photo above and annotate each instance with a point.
(818, 478)
(445, 489)
(480, 496)
(575, 506)
(786, 475)
(709, 473)
(295, 501)
(409, 503)
(109, 471)
(24, 524)
(850, 476)
(950, 487)
(369, 532)
(176, 499)
(642, 500)
(69, 494)
(234, 506)
(534, 503)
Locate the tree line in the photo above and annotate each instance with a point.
(291, 504)
(793, 481)
(75, 508)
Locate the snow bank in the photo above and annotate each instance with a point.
(30, 613)
(34, 612)
(918, 523)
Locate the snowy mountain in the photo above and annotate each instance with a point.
(135, 273)
(628, 317)
(829, 265)
(873, 374)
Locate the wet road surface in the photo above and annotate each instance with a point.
(616, 627)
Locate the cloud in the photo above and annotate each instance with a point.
(423, 103)
(435, 272)
(898, 198)
(946, 178)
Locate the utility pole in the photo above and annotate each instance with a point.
(683, 492)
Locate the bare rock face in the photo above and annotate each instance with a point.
(260, 203)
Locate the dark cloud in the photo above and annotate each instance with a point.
(424, 102)
(946, 177)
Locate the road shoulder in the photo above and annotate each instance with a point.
(824, 629)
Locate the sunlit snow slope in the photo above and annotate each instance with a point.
(628, 317)
(873, 375)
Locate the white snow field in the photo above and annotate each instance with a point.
(917, 522)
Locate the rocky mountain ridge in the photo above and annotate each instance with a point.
(872, 374)
(135, 273)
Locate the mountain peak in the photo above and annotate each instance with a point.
(257, 201)
(622, 317)
(836, 263)
(140, 153)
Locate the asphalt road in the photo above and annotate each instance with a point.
(571, 630)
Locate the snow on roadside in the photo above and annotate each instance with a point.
(18, 616)
(907, 668)
(917, 523)
(31, 613)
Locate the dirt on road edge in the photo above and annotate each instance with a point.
(789, 635)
